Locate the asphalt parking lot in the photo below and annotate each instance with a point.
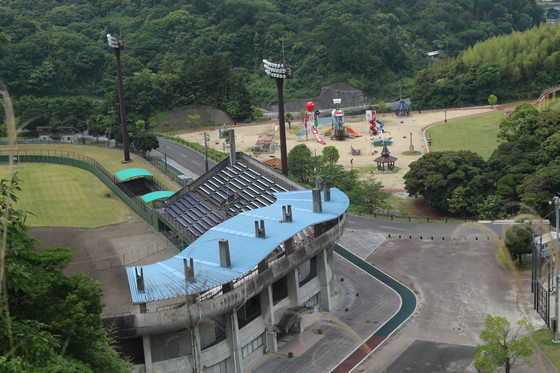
(457, 283)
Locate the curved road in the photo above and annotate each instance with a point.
(435, 230)
(194, 162)
(184, 157)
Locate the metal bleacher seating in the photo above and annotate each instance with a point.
(230, 191)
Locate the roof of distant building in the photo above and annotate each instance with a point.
(57, 131)
(274, 163)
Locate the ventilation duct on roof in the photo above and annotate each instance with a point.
(317, 205)
(287, 214)
(189, 270)
(259, 231)
(327, 192)
(139, 279)
(225, 259)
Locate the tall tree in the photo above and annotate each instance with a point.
(331, 154)
(301, 163)
(367, 196)
(145, 142)
(437, 175)
(518, 241)
(504, 348)
(524, 122)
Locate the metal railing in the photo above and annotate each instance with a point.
(213, 155)
(84, 162)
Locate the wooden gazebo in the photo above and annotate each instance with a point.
(386, 162)
(402, 109)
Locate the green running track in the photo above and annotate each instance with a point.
(408, 306)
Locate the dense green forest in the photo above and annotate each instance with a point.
(49, 322)
(521, 176)
(516, 66)
(209, 52)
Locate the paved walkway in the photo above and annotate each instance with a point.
(364, 306)
(457, 283)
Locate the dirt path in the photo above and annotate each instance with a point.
(104, 252)
(404, 132)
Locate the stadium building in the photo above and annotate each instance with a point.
(259, 264)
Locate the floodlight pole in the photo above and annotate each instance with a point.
(116, 43)
(282, 125)
(280, 72)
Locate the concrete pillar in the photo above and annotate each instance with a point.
(324, 274)
(289, 245)
(196, 349)
(147, 353)
(232, 335)
(267, 311)
(293, 287)
(330, 262)
(317, 203)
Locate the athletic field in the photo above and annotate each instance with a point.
(63, 196)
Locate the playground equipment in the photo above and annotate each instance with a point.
(339, 129)
(338, 126)
(311, 113)
(371, 115)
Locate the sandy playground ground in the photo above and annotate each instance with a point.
(401, 129)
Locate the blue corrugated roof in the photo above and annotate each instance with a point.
(129, 173)
(166, 279)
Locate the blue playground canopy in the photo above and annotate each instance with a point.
(402, 106)
(157, 195)
(129, 173)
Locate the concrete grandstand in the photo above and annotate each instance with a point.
(259, 264)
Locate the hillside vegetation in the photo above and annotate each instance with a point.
(521, 176)
(511, 67)
(199, 52)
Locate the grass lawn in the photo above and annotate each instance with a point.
(543, 338)
(550, 104)
(509, 265)
(63, 196)
(109, 158)
(476, 133)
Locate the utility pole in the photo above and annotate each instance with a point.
(117, 44)
(206, 138)
(279, 72)
(165, 153)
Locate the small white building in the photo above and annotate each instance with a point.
(62, 133)
(546, 243)
(433, 54)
